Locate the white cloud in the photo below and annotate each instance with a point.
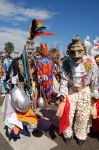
(19, 18)
(14, 14)
(9, 11)
(16, 36)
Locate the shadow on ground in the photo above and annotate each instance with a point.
(91, 143)
(4, 145)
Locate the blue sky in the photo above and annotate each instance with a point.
(63, 17)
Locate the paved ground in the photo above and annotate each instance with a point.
(45, 142)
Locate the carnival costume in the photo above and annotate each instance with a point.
(79, 83)
(45, 70)
(20, 120)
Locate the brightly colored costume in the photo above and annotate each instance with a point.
(18, 123)
(45, 67)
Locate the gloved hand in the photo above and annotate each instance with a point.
(14, 79)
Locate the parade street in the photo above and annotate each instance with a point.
(45, 142)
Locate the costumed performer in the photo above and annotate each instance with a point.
(45, 70)
(18, 122)
(95, 105)
(79, 83)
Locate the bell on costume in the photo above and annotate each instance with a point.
(41, 102)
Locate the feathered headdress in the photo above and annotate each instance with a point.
(37, 28)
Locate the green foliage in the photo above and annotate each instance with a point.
(54, 50)
(9, 48)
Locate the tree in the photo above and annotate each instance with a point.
(9, 48)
